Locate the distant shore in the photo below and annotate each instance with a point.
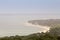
(47, 24)
(39, 26)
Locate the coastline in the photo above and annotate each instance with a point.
(39, 26)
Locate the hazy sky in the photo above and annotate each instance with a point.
(30, 6)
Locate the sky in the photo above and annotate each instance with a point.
(30, 6)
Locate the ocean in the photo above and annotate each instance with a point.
(11, 25)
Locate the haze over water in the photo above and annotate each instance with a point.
(16, 24)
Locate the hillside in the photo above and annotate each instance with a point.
(49, 22)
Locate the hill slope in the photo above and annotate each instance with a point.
(49, 22)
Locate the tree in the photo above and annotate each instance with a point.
(55, 31)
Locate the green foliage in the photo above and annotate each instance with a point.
(11, 38)
(37, 36)
(55, 31)
(48, 37)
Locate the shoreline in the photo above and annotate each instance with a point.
(39, 26)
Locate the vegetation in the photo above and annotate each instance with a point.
(49, 22)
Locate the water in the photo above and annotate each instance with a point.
(16, 24)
